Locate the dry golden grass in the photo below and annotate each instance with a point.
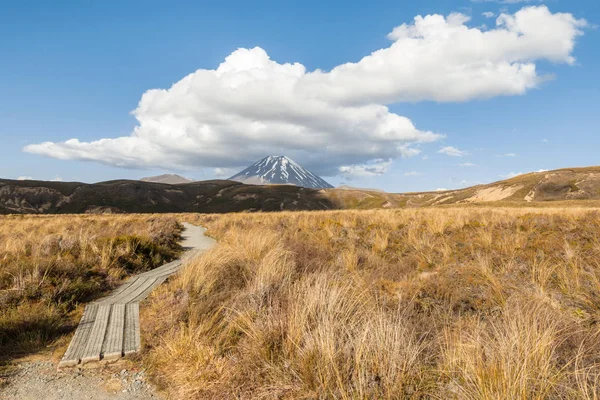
(50, 264)
(467, 303)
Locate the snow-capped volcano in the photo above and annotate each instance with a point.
(279, 170)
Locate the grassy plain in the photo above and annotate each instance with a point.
(49, 265)
(467, 303)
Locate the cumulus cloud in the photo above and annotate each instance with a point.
(467, 165)
(249, 107)
(223, 172)
(488, 14)
(511, 175)
(373, 168)
(252, 106)
(30, 178)
(452, 151)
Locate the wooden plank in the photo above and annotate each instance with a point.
(164, 266)
(121, 289)
(148, 283)
(73, 354)
(161, 271)
(93, 348)
(112, 348)
(139, 285)
(146, 292)
(164, 273)
(131, 341)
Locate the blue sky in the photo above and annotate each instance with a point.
(75, 69)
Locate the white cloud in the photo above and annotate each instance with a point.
(251, 106)
(29, 178)
(488, 14)
(441, 190)
(223, 172)
(511, 175)
(247, 108)
(467, 165)
(476, 63)
(452, 151)
(507, 155)
(507, 1)
(374, 168)
(412, 173)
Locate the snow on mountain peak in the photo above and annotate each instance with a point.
(279, 170)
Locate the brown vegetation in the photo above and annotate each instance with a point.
(49, 265)
(124, 196)
(434, 303)
(563, 187)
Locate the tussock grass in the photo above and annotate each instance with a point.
(465, 303)
(50, 264)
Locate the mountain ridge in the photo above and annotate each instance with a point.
(132, 196)
(533, 188)
(170, 179)
(579, 186)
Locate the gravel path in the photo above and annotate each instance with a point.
(37, 380)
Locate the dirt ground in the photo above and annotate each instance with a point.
(38, 378)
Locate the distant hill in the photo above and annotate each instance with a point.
(562, 185)
(19, 197)
(279, 170)
(346, 187)
(170, 179)
(534, 187)
(219, 196)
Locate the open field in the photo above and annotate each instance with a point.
(465, 303)
(51, 264)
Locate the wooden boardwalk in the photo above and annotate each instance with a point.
(110, 328)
